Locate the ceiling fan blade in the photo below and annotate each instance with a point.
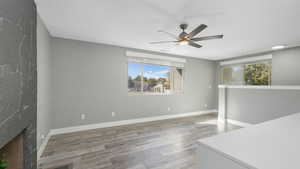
(168, 33)
(197, 30)
(208, 38)
(191, 43)
(160, 42)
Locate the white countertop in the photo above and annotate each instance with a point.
(274, 87)
(270, 145)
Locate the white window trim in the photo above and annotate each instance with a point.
(152, 56)
(247, 60)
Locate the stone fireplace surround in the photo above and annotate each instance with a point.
(18, 104)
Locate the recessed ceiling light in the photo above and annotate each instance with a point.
(278, 47)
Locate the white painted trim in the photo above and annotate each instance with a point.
(43, 145)
(222, 104)
(126, 122)
(247, 60)
(151, 56)
(261, 87)
(222, 86)
(238, 123)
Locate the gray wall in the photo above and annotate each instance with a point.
(92, 79)
(286, 68)
(254, 106)
(259, 105)
(18, 75)
(44, 116)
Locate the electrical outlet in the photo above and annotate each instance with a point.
(82, 116)
(42, 136)
(205, 105)
(169, 109)
(210, 86)
(113, 114)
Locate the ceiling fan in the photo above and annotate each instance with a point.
(188, 38)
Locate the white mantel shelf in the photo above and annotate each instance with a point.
(270, 145)
(260, 87)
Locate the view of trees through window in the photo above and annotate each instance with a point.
(149, 78)
(258, 74)
(247, 74)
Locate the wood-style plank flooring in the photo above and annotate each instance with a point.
(166, 144)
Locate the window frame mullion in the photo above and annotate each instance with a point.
(142, 78)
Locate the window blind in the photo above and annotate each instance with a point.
(246, 60)
(155, 59)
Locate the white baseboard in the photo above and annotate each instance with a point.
(238, 123)
(43, 145)
(114, 124)
(126, 122)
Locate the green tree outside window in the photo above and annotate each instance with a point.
(257, 74)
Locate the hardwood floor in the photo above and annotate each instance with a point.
(166, 144)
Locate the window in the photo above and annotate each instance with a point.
(233, 75)
(146, 78)
(258, 73)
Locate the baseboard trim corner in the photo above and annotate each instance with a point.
(43, 146)
(238, 123)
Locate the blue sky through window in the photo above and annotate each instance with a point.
(150, 71)
(155, 71)
(134, 69)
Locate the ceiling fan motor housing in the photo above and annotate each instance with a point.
(183, 26)
(183, 34)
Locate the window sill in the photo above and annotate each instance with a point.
(153, 94)
(270, 87)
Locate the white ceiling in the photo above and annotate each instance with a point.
(248, 25)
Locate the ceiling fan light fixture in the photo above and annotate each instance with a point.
(183, 43)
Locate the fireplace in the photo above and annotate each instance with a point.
(18, 83)
(12, 153)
